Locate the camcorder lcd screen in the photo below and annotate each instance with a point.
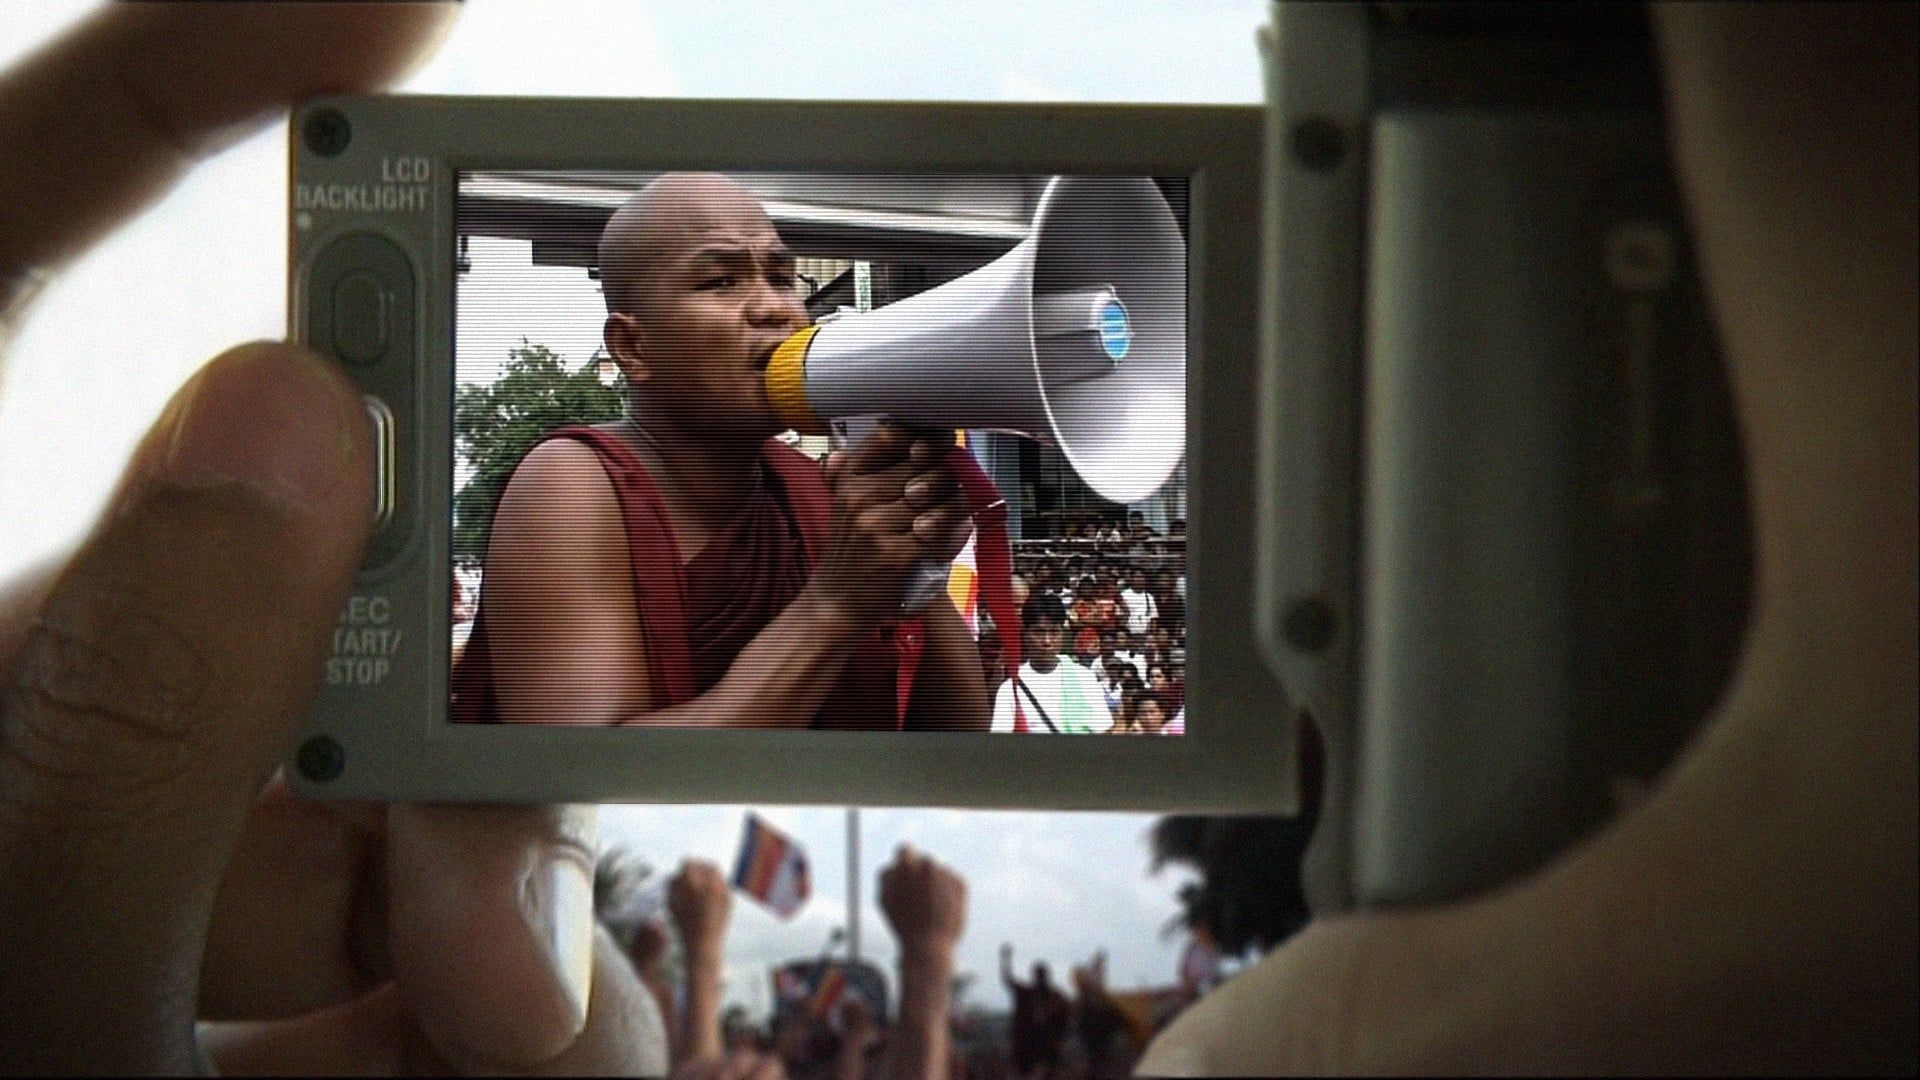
(834, 451)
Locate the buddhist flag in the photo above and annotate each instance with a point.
(772, 869)
(963, 588)
(963, 576)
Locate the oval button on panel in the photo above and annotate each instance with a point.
(362, 317)
(382, 418)
(359, 292)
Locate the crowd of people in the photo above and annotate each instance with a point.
(1104, 619)
(161, 915)
(1103, 614)
(1044, 1034)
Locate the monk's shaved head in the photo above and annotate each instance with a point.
(700, 290)
(658, 224)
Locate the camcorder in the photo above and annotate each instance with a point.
(1396, 400)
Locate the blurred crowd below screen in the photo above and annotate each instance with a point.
(834, 1018)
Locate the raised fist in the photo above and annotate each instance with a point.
(925, 903)
(700, 901)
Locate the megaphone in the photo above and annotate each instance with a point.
(1077, 337)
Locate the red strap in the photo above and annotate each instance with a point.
(993, 561)
(909, 642)
(812, 506)
(659, 583)
(806, 493)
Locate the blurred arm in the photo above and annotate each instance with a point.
(926, 905)
(921, 1037)
(700, 901)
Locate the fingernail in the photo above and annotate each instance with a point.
(918, 490)
(264, 416)
(563, 913)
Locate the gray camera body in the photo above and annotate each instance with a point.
(374, 251)
(1504, 560)
(1466, 500)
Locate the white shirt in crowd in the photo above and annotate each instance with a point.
(1070, 695)
(1140, 608)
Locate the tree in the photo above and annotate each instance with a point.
(494, 427)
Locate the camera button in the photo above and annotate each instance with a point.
(382, 418)
(362, 317)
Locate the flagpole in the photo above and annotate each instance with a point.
(853, 885)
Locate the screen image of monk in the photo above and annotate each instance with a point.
(682, 566)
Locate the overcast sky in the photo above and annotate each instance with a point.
(110, 341)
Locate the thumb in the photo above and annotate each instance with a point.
(151, 697)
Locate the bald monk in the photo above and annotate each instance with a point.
(682, 567)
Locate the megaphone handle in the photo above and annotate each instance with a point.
(929, 578)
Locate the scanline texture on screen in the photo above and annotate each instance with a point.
(1040, 322)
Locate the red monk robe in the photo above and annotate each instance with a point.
(695, 619)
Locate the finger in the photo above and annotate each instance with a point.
(383, 1034)
(623, 1035)
(930, 489)
(892, 522)
(160, 681)
(883, 490)
(925, 452)
(20, 602)
(882, 449)
(120, 106)
(930, 445)
(300, 919)
(492, 924)
(367, 1036)
(938, 529)
(957, 537)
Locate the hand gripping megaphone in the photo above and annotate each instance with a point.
(1077, 337)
